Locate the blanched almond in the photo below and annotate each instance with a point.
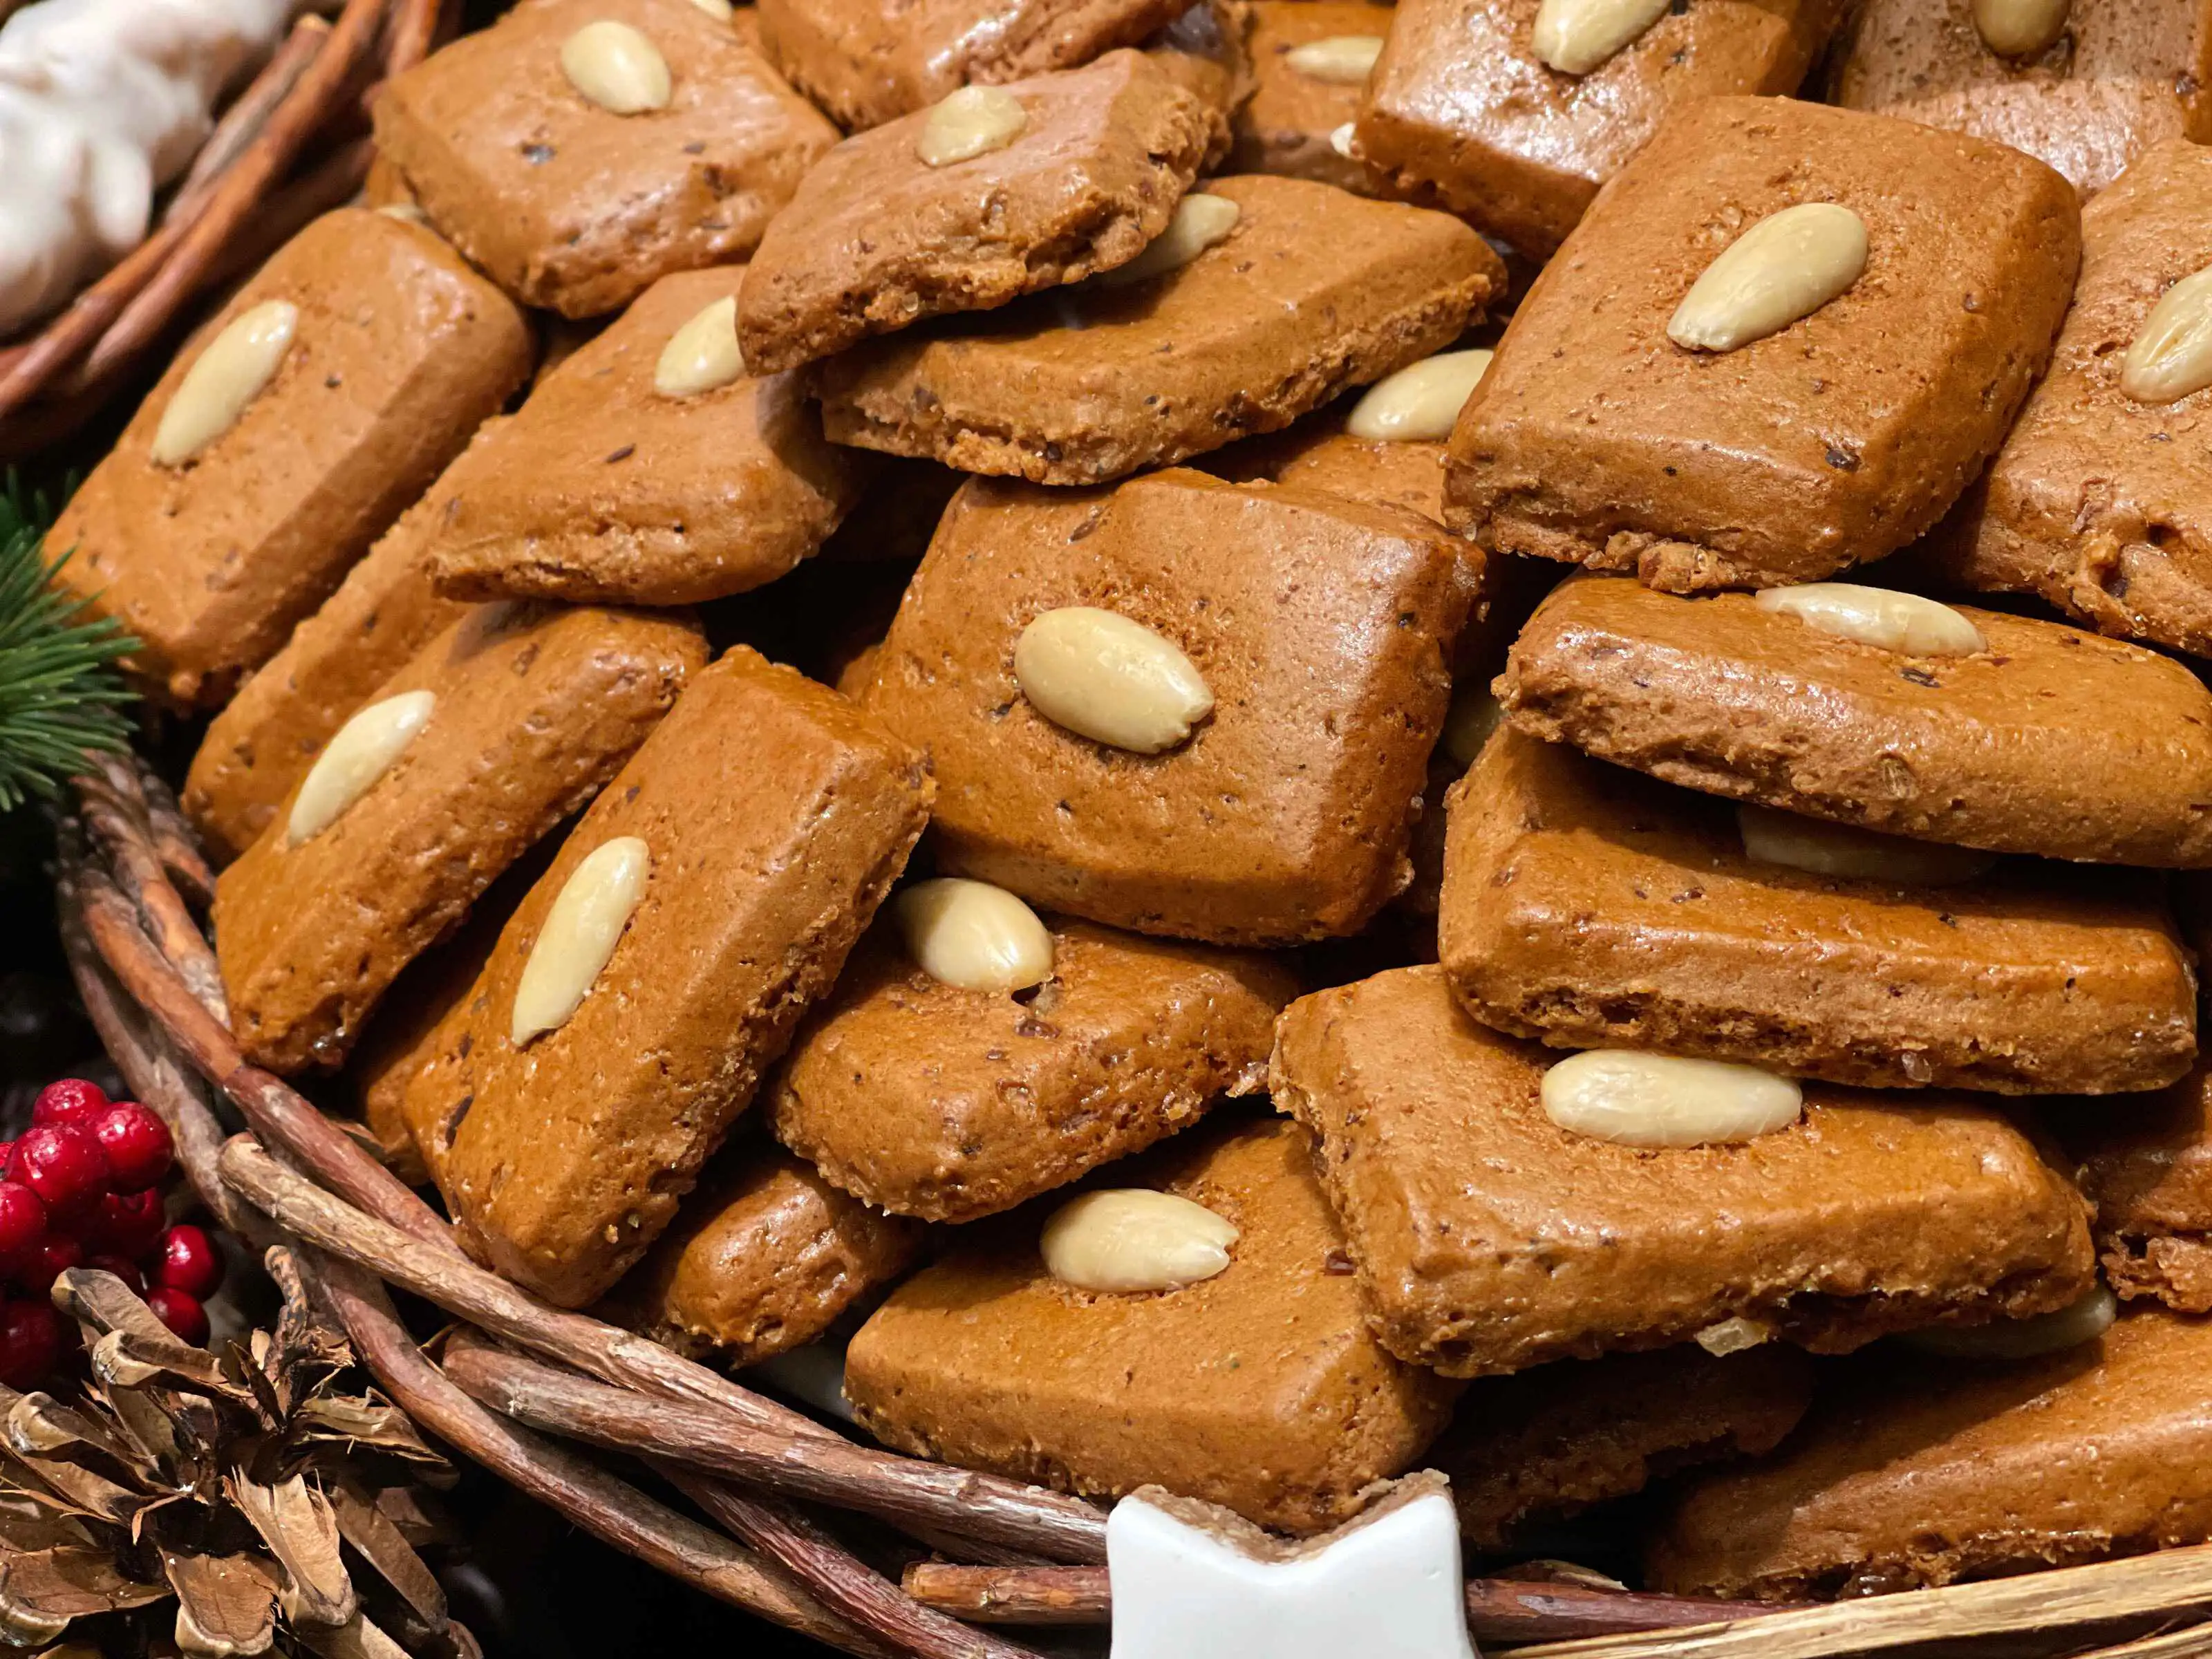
(1785, 267)
(1640, 1099)
(1343, 60)
(1339, 139)
(2172, 356)
(1104, 677)
(969, 122)
(2020, 28)
(1905, 622)
(359, 753)
(1420, 404)
(2068, 1327)
(973, 935)
(617, 67)
(579, 936)
(1126, 1239)
(1473, 716)
(1201, 221)
(232, 370)
(1854, 854)
(1577, 36)
(702, 355)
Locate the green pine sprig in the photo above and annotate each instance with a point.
(60, 695)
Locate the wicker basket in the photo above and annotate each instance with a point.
(513, 1372)
(289, 148)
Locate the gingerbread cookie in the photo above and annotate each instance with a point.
(1120, 692)
(1310, 61)
(954, 1099)
(1289, 293)
(575, 1093)
(1700, 388)
(650, 468)
(1591, 907)
(580, 151)
(1491, 1237)
(287, 435)
(1257, 1388)
(2147, 1175)
(1962, 726)
(990, 195)
(500, 728)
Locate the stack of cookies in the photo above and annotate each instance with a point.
(1284, 686)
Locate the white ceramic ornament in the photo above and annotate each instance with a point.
(1200, 1583)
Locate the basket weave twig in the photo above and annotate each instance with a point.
(516, 1378)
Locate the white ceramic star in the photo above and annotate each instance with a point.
(1192, 1580)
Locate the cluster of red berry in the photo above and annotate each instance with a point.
(82, 1189)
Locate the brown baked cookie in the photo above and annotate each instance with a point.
(868, 62)
(1258, 1389)
(502, 726)
(1466, 109)
(751, 838)
(1914, 1470)
(1314, 628)
(1309, 291)
(1078, 172)
(1490, 1238)
(928, 1099)
(1310, 61)
(2119, 76)
(356, 363)
(1592, 908)
(2147, 1175)
(580, 151)
(650, 468)
(1752, 459)
(2019, 747)
(1405, 475)
(763, 1257)
(2097, 502)
(1207, 52)
(266, 737)
(1527, 1451)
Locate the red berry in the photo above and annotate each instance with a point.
(123, 1267)
(71, 1097)
(62, 1162)
(136, 1145)
(48, 1262)
(189, 1261)
(180, 1312)
(30, 1341)
(22, 1221)
(128, 1224)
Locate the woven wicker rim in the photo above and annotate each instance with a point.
(514, 1370)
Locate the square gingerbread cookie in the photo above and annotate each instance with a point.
(652, 467)
(1311, 59)
(976, 201)
(1257, 1388)
(580, 151)
(1296, 640)
(1649, 412)
(868, 62)
(1588, 907)
(2147, 1174)
(2097, 502)
(1491, 1237)
(1472, 107)
(285, 438)
(2087, 86)
(1290, 292)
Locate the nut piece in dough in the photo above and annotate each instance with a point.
(1200, 222)
(970, 121)
(1638, 1099)
(974, 935)
(616, 67)
(702, 355)
(2172, 356)
(1853, 854)
(359, 753)
(1342, 60)
(579, 934)
(1577, 36)
(1785, 267)
(230, 373)
(2020, 28)
(1420, 403)
(1104, 677)
(1129, 1239)
(1905, 622)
